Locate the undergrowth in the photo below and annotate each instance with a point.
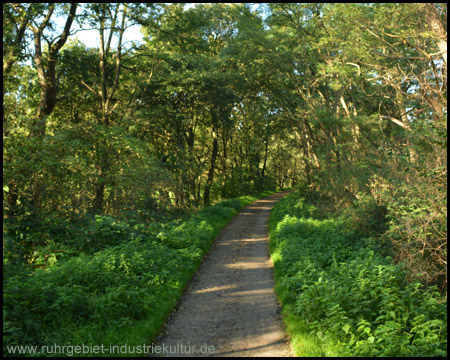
(342, 295)
(115, 284)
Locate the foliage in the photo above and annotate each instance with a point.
(102, 144)
(113, 274)
(417, 229)
(347, 291)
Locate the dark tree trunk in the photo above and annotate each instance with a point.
(206, 195)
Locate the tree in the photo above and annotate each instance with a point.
(46, 65)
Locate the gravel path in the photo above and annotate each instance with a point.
(230, 308)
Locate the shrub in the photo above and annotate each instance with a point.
(347, 292)
(417, 227)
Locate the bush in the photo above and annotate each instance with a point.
(347, 292)
(417, 227)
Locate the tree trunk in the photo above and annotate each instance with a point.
(266, 151)
(106, 98)
(206, 195)
(47, 74)
(435, 23)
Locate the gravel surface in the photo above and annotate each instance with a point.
(229, 308)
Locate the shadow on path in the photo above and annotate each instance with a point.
(230, 308)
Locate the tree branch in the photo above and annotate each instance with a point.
(398, 122)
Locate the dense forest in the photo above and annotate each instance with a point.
(122, 162)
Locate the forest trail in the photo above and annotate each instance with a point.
(230, 308)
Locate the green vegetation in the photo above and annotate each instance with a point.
(107, 149)
(342, 295)
(117, 289)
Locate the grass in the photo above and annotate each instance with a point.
(303, 342)
(116, 291)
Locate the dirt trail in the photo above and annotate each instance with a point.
(230, 308)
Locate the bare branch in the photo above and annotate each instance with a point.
(398, 122)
